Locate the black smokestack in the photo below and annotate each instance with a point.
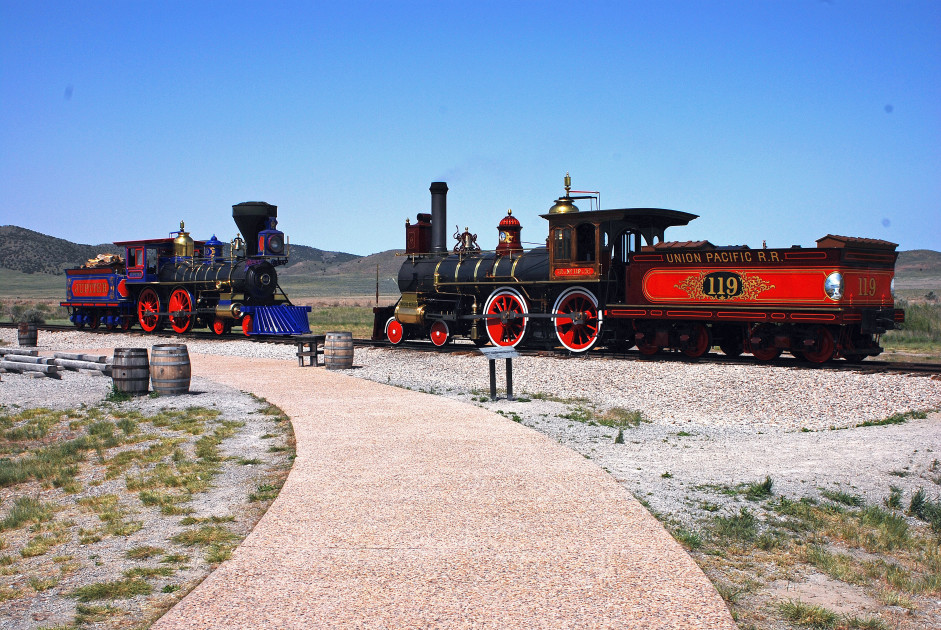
(250, 217)
(439, 217)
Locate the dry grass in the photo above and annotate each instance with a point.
(91, 475)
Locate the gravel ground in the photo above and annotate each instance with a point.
(706, 425)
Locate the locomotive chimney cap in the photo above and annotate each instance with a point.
(564, 205)
(509, 220)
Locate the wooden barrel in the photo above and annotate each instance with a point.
(338, 350)
(130, 371)
(26, 335)
(170, 368)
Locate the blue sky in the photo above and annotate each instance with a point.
(772, 120)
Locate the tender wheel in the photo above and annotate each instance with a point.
(126, 323)
(247, 325)
(395, 331)
(822, 350)
(644, 344)
(440, 334)
(580, 324)
(698, 343)
(109, 319)
(851, 343)
(181, 310)
(506, 317)
(764, 350)
(647, 349)
(94, 320)
(148, 309)
(731, 341)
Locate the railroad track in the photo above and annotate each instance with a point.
(868, 367)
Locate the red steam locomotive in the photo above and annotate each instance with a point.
(608, 277)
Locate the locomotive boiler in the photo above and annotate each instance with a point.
(607, 276)
(188, 284)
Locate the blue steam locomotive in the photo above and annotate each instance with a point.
(189, 284)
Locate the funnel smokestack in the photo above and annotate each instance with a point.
(251, 217)
(439, 217)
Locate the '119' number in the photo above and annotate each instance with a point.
(867, 285)
(722, 285)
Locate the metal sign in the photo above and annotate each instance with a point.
(498, 353)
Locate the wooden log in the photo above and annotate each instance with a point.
(15, 366)
(22, 351)
(27, 359)
(81, 365)
(72, 356)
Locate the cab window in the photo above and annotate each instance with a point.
(628, 245)
(585, 248)
(562, 244)
(135, 257)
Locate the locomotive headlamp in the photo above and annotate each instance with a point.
(833, 286)
(276, 244)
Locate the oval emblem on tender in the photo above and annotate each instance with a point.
(722, 285)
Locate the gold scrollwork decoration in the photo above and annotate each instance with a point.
(751, 287)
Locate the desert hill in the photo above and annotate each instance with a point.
(33, 252)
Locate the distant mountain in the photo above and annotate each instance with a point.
(919, 261)
(317, 258)
(31, 252)
(388, 263)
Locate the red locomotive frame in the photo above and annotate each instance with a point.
(608, 276)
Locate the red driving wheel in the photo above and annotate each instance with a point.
(577, 321)
(181, 310)
(506, 317)
(148, 309)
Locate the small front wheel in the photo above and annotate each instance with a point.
(440, 334)
(395, 332)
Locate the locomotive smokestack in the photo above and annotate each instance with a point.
(250, 217)
(439, 217)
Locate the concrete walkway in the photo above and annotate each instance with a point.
(407, 510)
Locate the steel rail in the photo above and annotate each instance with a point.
(932, 370)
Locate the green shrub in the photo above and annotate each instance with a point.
(759, 490)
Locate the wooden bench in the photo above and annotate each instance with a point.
(309, 346)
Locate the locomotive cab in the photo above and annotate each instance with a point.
(595, 246)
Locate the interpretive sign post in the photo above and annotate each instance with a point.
(492, 354)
